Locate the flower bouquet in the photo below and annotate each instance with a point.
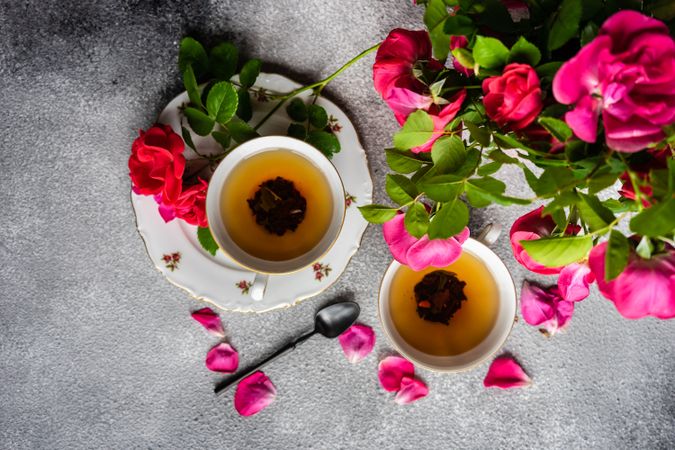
(580, 97)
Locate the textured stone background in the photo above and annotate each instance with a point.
(97, 350)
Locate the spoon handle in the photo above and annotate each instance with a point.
(229, 382)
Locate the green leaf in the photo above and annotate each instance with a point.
(222, 102)
(565, 24)
(548, 70)
(416, 131)
(434, 18)
(588, 33)
(327, 142)
(223, 61)
(297, 130)
(199, 122)
(559, 129)
(442, 188)
(645, 248)
(480, 135)
(594, 213)
(601, 180)
(482, 191)
(468, 167)
(377, 213)
(449, 220)
(616, 258)
(563, 199)
(187, 137)
(249, 73)
(489, 168)
(223, 138)
(459, 25)
(241, 131)
(192, 53)
(403, 161)
(400, 189)
(447, 153)
(558, 251)
(464, 56)
(490, 52)
(658, 220)
(190, 83)
(317, 116)
(244, 108)
(297, 110)
(524, 51)
(206, 240)
(416, 220)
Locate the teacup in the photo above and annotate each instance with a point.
(219, 198)
(505, 311)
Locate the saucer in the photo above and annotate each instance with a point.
(174, 248)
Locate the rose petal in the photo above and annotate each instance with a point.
(574, 282)
(210, 320)
(433, 252)
(222, 358)
(391, 371)
(506, 373)
(254, 393)
(357, 342)
(397, 238)
(411, 390)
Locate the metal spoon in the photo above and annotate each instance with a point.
(330, 321)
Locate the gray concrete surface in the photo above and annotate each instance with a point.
(97, 350)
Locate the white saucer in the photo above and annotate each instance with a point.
(176, 252)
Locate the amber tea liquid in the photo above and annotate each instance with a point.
(467, 328)
(243, 183)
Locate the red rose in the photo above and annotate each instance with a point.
(190, 205)
(513, 99)
(157, 163)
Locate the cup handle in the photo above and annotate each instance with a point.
(489, 234)
(258, 287)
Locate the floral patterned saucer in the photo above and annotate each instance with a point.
(176, 252)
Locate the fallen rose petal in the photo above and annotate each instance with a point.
(222, 358)
(391, 371)
(357, 342)
(411, 390)
(254, 393)
(210, 320)
(506, 373)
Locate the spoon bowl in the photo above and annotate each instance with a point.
(333, 320)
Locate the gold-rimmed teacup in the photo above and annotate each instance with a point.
(264, 267)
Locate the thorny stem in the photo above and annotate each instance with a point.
(318, 86)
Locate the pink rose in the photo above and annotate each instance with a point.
(530, 227)
(424, 252)
(190, 205)
(513, 99)
(157, 163)
(628, 73)
(646, 287)
(393, 71)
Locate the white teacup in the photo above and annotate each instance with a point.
(262, 267)
(496, 337)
